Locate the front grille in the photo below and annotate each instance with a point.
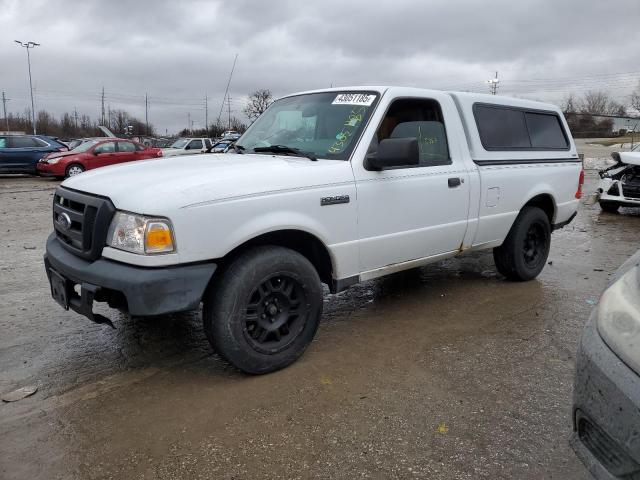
(607, 450)
(81, 221)
(631, 191)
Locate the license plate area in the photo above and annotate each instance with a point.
(60, 288)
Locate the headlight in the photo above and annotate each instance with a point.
(52, 161)
(140, 234)
(619, 318)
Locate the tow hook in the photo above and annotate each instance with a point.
(83, 304)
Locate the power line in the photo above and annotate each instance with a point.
(226, 91)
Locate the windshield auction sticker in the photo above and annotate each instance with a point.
(364, 99)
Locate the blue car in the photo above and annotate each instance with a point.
(21, 153)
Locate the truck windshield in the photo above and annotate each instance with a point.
(180, 143)
(326, 124)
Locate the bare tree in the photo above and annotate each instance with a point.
(258, 102)
(598, 102)
(635, 99)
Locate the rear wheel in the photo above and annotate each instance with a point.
(608, 206)
(73, 170)
(263, 311)
(524, 252)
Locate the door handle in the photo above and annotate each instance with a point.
(454, 182)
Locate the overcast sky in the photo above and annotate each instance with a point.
(177, 51)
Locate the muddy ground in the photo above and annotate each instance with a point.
(445, 372)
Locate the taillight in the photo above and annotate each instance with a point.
(580, 184)
(63, 149)
(159, 154)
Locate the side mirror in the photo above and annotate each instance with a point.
(96, 152)
(394, 152)
(188, 147)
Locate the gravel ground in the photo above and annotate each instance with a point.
(445, 372)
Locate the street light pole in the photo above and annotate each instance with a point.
(29, 45)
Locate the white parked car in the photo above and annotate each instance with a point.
(334, 186)
(187, 146)
(620, 184)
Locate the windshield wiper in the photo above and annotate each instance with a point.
(284, 149)
(238, 148)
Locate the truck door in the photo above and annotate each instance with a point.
(414, 212)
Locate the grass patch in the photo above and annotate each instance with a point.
(607, 142)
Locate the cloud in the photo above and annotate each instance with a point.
(178, 51)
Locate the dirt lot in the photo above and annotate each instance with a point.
(446, 372)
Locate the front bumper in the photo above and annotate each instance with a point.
(613, 191)
(606, 410)
(147, 291)
(55, 169)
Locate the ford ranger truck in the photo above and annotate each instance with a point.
(327, 187)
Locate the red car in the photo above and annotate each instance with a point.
(94, 154)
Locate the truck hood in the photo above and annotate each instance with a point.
(156, 186)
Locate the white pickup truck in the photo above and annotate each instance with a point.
(335, 186)
(187, 146)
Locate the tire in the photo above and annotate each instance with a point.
(524, 252)
(73, 170)
(609, 207)
(263, 311)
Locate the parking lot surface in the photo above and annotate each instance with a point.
(444, 372)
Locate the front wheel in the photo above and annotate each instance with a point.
(524, 252)
(609, 206)
(262, 312)
(73, 170)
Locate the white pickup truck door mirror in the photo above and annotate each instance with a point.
(394, 152)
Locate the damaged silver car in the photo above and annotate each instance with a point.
(620, 184)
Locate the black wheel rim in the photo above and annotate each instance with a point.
(534, 245)
(276, 314)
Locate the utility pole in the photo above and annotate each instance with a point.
(229, 105)
(206, 113)
(189, 122)
(28, 46)
(102, 118)
(75, 116)
(4, 108)
(109, 115)
(146, 113)
(493, 84)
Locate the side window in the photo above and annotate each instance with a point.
(501, 128)
(195, 145)
(3, 142)
(126, 147)
(511, 128)
(139, 147)
(546, 131)
(22, 142)
(420, 119)
(107, 147)
(207, 143)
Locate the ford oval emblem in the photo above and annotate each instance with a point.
(64, 221)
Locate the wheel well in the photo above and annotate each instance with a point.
(304, 243)
(545, 203)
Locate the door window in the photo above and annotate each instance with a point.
(420, 119)
(195, 145)
(3, 142)
(107, 147)
(126, 147)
